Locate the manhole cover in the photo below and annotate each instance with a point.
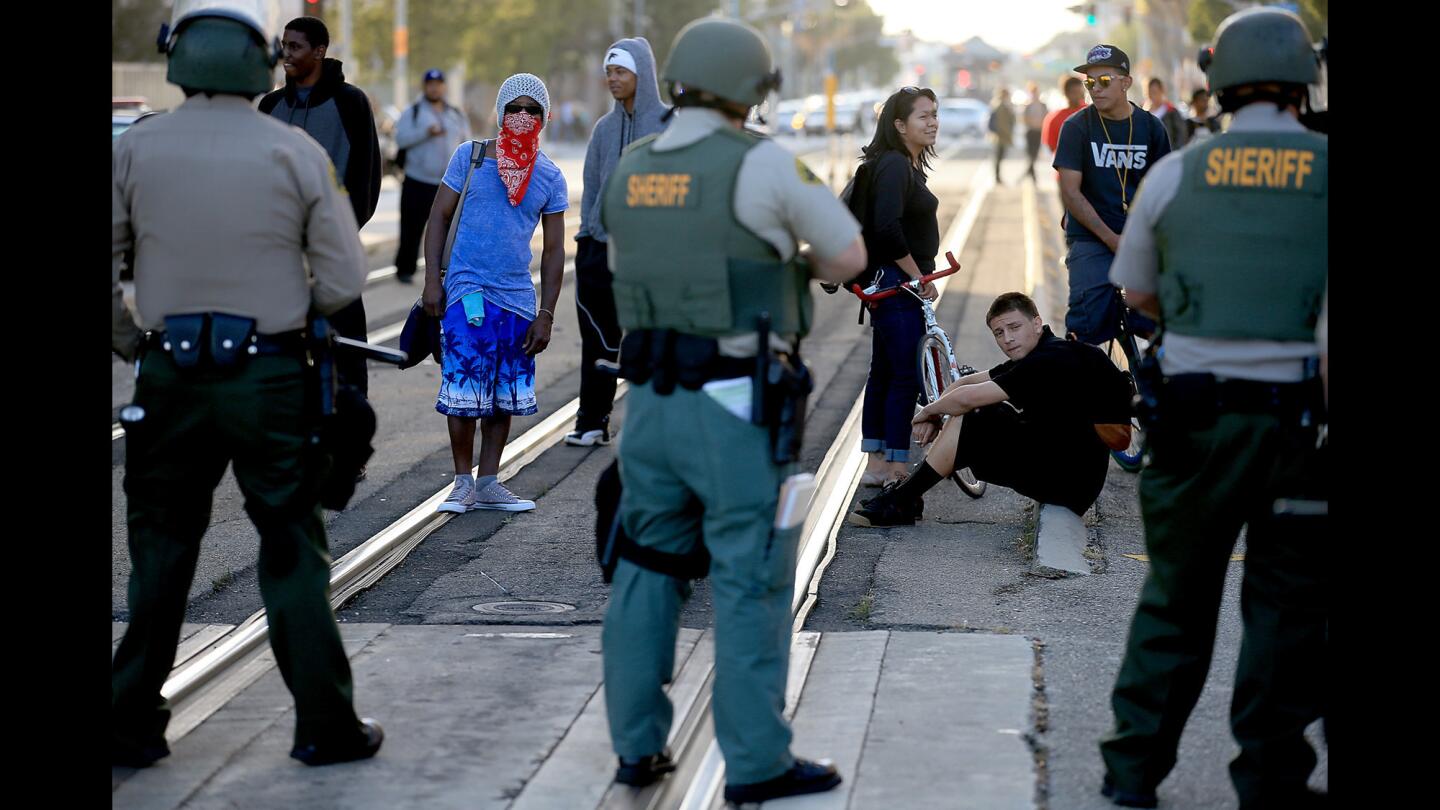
(522, 608)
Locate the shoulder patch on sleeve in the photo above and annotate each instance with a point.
(805, 174)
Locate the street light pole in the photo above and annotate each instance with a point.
(402, 52)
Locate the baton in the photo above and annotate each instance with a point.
(370, 351)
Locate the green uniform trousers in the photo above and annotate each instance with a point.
(1203, 484)
(174, 458)
(693, 472)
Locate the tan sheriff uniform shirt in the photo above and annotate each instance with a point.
(777, 197)
(229, 211)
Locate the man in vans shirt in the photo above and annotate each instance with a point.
(429, 131)
(317, 99)
(630, 75)
(1103, 154)
(1028, 424)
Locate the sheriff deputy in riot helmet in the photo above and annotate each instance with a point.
(704, 222)
(222, 371)
(1226, 246)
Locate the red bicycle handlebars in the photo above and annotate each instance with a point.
(914, 284)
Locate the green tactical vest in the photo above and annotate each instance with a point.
(681, 259)
(1243, 252)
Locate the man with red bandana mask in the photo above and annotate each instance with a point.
(493, 327)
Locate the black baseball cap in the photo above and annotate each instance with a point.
(1105, 56)
(433, 75)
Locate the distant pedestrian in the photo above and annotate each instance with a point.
(430, 130)
(1168, 113)
(1002, 126)
(1034, 116)
(1201, 125)
(1074, 90)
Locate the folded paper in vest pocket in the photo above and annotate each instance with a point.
(421, 336)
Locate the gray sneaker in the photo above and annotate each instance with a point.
(461, 498)
(496, 496)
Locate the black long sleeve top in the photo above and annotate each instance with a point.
(901, 223)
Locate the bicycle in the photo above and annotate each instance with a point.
(1129, 459)
(935, 357)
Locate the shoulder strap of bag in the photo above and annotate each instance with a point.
(477, 155)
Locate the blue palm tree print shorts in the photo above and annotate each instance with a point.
(484, 370)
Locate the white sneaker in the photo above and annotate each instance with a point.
(589, 438)
(461, 498)
(496, 496)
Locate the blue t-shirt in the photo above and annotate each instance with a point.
(492, 242)
(1102, 161)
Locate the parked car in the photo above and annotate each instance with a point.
(963, 118)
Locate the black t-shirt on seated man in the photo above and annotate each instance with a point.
(1041, 441)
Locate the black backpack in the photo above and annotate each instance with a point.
(859, 197)
(399, 161)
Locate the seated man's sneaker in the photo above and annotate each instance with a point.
(1128, 798)
(362, 746)
(496, 496)
(803, 777)
(645, 770)
(887, 510)
(588, 438)
(461, 499)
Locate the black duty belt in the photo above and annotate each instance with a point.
(1244, 396)
(673, 358)
(286, 344)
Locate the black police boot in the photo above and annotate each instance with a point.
(361, 747)
(1128, 798)
(886, 509)
(645, 770)
(137, 756)
(803, 777)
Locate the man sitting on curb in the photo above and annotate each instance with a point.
(1029, 424)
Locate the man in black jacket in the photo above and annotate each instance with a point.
(317, 99)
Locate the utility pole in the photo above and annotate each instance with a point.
(402, 53)
(347, 49)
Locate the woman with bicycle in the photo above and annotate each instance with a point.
(902, 237)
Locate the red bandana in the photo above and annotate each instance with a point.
(515, 151)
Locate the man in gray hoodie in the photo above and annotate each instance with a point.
(630, 74)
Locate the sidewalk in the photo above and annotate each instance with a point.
(513, 716)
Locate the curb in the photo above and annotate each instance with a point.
(1060, 539)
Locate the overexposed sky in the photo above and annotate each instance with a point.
(1016, 25)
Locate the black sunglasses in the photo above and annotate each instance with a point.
(533, 109)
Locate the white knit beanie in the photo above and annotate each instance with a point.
(522, 84)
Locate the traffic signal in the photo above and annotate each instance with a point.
(1090, 14)
(314, 8)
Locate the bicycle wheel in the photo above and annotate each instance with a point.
(934, 368)
(1130, 459)
(934, 363)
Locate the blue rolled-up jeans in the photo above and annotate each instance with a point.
(893, 386)
(1094, 305)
